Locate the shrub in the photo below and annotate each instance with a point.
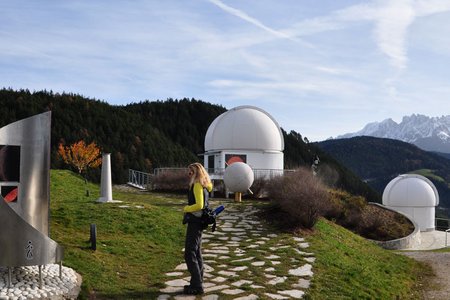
(301, 196)
(369, 221)
(174, 180)
(258, 188)
(328, 175)
(345, 209)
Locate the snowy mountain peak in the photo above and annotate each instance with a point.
(429, 133)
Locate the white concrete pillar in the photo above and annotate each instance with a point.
(106, 182)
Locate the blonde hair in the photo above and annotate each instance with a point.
(201, 176)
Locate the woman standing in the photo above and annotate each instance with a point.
(199, 186)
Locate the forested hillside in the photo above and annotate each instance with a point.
(152, 134)
(185, 121)
(133, 142)
(378, 160)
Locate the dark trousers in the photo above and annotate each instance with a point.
(193, 254)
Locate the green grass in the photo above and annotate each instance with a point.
(136, 247)
(350, 267)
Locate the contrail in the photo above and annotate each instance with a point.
(246, 17)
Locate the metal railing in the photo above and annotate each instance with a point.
(446, 233)
(442, 224)
(139, 179)
(159, 171)
(259, 173)
(143, 180)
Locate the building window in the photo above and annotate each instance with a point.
(211, 165)
(232, 158)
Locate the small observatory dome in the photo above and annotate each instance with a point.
(415, 196)
(244, 127)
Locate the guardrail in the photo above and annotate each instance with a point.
(143, 179)
(139, 179)
(442, 224)
(259, 173)
(446, 233)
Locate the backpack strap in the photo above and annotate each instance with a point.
(205, 198)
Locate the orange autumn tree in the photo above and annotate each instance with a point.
(80, 155)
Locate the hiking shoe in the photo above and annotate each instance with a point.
(189, 290)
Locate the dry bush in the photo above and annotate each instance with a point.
(369, 221)
(382, 225)
(328, 175)
(345, 209)
(171, 181)
(301, 196)
(258, 188)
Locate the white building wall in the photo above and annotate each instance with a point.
(256, 160)
(423, 216)
(266, 160)
(262, 162)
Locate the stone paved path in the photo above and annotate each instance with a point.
(245, 261)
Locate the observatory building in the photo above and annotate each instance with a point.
(415, 196)
(244, 134)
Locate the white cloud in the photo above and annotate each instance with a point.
(392, 22)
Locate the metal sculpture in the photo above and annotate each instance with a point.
(25, 194)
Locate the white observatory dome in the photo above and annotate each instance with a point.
(410, 190)
(244, 127)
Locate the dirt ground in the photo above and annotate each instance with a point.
(439, 287)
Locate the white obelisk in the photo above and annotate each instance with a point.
(106, 182)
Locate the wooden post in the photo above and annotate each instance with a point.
(238, 197)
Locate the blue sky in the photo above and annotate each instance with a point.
(321, 68)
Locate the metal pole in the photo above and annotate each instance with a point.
(9, 277)
(60, 269)
(40, 276)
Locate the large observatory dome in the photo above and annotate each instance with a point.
(410, 190)
(244, 127)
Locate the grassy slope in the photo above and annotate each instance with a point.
(135, 247)
(350, 267)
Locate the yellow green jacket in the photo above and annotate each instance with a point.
(196, 201)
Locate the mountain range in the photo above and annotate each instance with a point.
(428, 133)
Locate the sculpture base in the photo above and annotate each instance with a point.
(25, 283)
(105, 200)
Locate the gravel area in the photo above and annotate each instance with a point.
(439, 287)
(25, 283)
